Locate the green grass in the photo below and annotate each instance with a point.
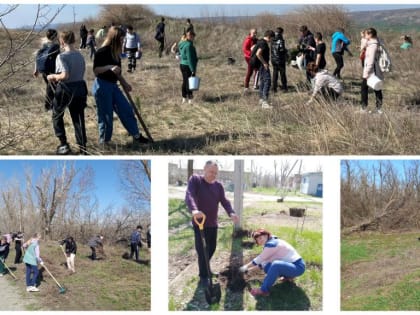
(370, 289)
(178, 213)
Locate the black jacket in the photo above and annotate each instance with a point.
(278, 50)
(70, 246)
(304, 43)
(4, 250)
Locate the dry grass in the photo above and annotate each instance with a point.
(223, 120)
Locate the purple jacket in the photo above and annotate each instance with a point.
(206, 197)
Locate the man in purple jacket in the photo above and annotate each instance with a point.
(204, 193)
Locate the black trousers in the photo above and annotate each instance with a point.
(131, 56)
(210, 236)
(281, 67)
(134, 250)
(49, 92)
(18, 249)
(365, 96)
(338, 57)
(93, 256)
(186, 74)
(76, 105)
(161, 46)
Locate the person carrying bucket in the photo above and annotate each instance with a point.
(188, 64)
(204, 193)
(31, 260)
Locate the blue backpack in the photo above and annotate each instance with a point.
(45, 58)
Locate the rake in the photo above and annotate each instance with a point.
(10, 271)
(62, 290)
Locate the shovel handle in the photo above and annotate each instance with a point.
(200, 224)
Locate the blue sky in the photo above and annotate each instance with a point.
(106, 179)
(25, 12)
(368, 164)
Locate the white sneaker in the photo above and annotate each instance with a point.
(362, 111)
(260, 101)
(34, 289)
(246, 90)
(265, 105)
(379, 111)
(28, 289)
(190, 101)
(184, 100)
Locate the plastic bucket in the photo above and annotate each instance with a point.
(375, 83)
(193, 83)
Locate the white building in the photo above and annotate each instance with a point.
(311, 184)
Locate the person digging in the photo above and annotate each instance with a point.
(278, 260)
(96, 244)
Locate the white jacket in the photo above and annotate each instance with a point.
(324, 79)
(371, 65)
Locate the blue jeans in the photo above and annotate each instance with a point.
(109, 98)
(31, 270)
(265, 82)
(279, 268)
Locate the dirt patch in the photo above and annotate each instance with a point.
(380, 273)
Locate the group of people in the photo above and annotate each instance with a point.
(278, 258)
(311, 52)
(32, 257)
(6, 241)
(66, 87)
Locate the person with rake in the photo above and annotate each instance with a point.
(31, 260)
(4, 252)
(278, 260)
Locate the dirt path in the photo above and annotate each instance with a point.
(13, 299)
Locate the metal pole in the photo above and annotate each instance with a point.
(238, 190)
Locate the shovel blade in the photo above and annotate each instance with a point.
(213, 293)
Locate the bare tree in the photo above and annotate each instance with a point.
(135, 183)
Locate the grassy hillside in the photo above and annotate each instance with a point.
(222, 119)
(110, 283)
(380, 272)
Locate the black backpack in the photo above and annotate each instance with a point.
(254, 62)
(45, 58)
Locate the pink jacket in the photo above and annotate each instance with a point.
(371, 65)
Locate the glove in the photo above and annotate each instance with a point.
(243, 269)
(41, 263)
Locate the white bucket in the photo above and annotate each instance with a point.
(375, 83)
(194, 83)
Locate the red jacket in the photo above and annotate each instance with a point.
(246, 46)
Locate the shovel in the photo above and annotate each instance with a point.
(10, 271)
(136, 111)
(212, 291)
(62, 289)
